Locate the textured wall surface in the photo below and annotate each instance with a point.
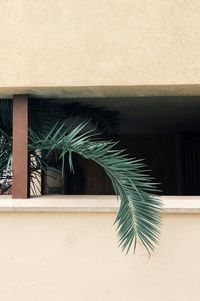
(74, 256)
(93, 43)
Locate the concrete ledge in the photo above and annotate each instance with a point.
(92, 203)
(101, 91)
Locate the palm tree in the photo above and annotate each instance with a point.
(61, 130)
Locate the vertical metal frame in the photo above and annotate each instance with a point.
(20, 186)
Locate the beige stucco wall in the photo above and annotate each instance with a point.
(74, 256)
(93, 43)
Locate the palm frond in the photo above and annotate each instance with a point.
(60, 130)
(5, 152)
(139, 214)
(5, 162)
(44, 115)
(6, 115)
(106, 122)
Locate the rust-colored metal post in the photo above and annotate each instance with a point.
(20, 186)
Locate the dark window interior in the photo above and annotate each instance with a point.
(164, 131)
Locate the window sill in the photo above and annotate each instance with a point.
(91, 203)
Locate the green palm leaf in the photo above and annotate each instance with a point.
(6, 116)
(5, 137)
(139, 213)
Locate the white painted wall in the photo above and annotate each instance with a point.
(74, 256)
(93, 43)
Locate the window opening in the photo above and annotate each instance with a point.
(164, 131)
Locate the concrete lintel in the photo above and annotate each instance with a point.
(101, 91)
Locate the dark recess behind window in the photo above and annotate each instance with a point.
(164, 131)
